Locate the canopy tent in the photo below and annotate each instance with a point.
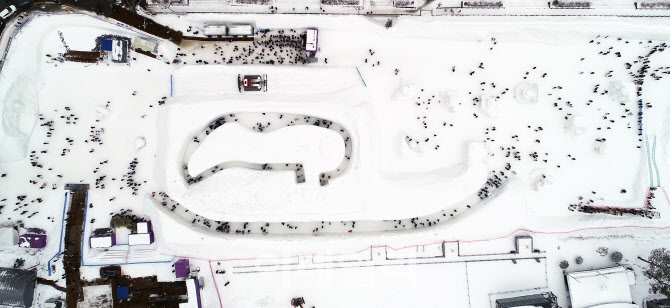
(9, 237)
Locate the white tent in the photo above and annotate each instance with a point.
(8, 237)
(605, 287)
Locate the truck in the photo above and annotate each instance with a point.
(252, 83)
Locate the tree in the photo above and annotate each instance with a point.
(658, 270)
(579, 260)
(616, 257)
(602, 251)
(564, 264)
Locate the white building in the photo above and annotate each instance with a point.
(601, 288)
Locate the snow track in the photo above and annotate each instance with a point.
(257, 122)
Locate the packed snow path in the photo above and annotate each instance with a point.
(178, 212)
(258, 122)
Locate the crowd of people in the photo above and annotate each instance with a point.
(270, 47)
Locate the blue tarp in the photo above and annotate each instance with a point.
(122, 292)
(106, 45)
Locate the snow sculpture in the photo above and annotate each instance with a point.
(18, 111)
(543, 181)
(490, 105)
(406, 90)
(621, 92)
(140, 143)
(526, 93)
(601, 147)
(102, 112)
(452, 101)
(576, 125)
(414, 145)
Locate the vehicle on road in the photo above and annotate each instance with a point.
(7, 12)
(252, 83)
(110, 271)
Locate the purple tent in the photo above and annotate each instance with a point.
(182, 268)
(33, 240)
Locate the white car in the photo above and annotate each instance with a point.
(7, 12)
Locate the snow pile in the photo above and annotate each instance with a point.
(413, 145)
(526, 93)
(140, 143)
(621, 92)
(576, 125)
(543, 179)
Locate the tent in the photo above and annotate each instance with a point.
(605, 287)
(9, 237)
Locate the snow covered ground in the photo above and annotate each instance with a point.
(479, 127)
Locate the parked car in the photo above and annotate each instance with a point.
(7, 12)
(110, 271)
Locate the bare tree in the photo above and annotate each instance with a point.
(658, 270)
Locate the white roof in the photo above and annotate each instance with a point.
(241, 30)
(310, 42)
(600, 288)
(8, 237)
(144, 44)
(142, 227)
(117, 50)
(192, 300)
(139, 239)
(215, 30)
(101, 242)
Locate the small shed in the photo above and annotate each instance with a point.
(102, 241)
(33, 240)
(182, 268)
(143, 227)
(9, 237)
(140, 239)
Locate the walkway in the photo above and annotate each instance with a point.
(73, 244)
